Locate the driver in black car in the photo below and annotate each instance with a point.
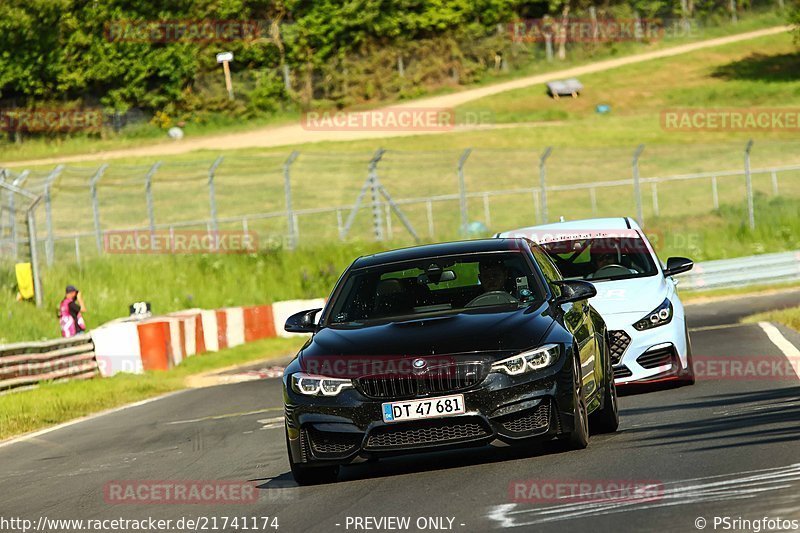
(493, 276)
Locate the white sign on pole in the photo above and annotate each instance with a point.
(224, 56)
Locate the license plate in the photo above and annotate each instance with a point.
(427, 408)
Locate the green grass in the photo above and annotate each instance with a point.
(173, 282)
(53, 403)
(788, 317)
(588, 148)
(689, 296)
(144, 134)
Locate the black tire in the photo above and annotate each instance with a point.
(688, 377)
(578, 439)
(311, 475)
(606, 420)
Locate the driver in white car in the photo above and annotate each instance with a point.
(609, 262)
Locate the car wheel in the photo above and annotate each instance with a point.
(311, 475)
(688, 377)
(606, 420)
(578, 439)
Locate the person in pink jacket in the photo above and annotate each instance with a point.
(70, 313)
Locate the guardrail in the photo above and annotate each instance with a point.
(743, 271)
(27, 363)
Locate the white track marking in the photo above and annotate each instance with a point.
(222, 417)
(39, 433)
(726, 487)
(789, 350)
(271, 423)
(718, 326)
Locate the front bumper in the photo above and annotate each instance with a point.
(652, 355)
(349, 427)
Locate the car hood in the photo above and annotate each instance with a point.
(462, 333)
(640, 295)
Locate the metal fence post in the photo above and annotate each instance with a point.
(637, 192)
(543, 182)
(212, 195)
(749, 184)
(429, 214)
(487, 214)
(714, 192)
(654, 190)
(49, 249)
(148, 191)
(339, 224)
(287, 191)
(98, 236)
(18, 182)
(3, 217)
(774, 176)
(377, 221)
(37, 280)
(462, 190)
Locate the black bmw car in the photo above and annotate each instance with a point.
(444, 346)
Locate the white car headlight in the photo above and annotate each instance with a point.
(659, 316)
(312, 385)
(528, 361)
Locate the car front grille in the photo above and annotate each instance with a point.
(618, 342)
(530, 420)
(622, 372)
(428, 433)
(324, 445)
(656, 358)
(440, 379)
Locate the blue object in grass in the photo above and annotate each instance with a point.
(603, 108)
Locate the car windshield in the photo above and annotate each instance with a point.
(436, 286)
(601, 259)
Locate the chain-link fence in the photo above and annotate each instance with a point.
(18, 238)
(394, 195)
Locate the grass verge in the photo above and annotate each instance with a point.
(173, 282)
(699, 297)
(54, 403)
(144, 134)
(788, 317)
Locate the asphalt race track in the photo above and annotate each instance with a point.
(724, 447)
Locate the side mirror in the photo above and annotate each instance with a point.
(574, 290)
(302, 322)
(676, 265)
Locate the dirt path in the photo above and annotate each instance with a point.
(294, 134)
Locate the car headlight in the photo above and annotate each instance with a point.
(528, 361)
(312, 385)
(657, 317)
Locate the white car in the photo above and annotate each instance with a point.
(636, 294)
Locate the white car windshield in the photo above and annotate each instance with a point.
(602, 259)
